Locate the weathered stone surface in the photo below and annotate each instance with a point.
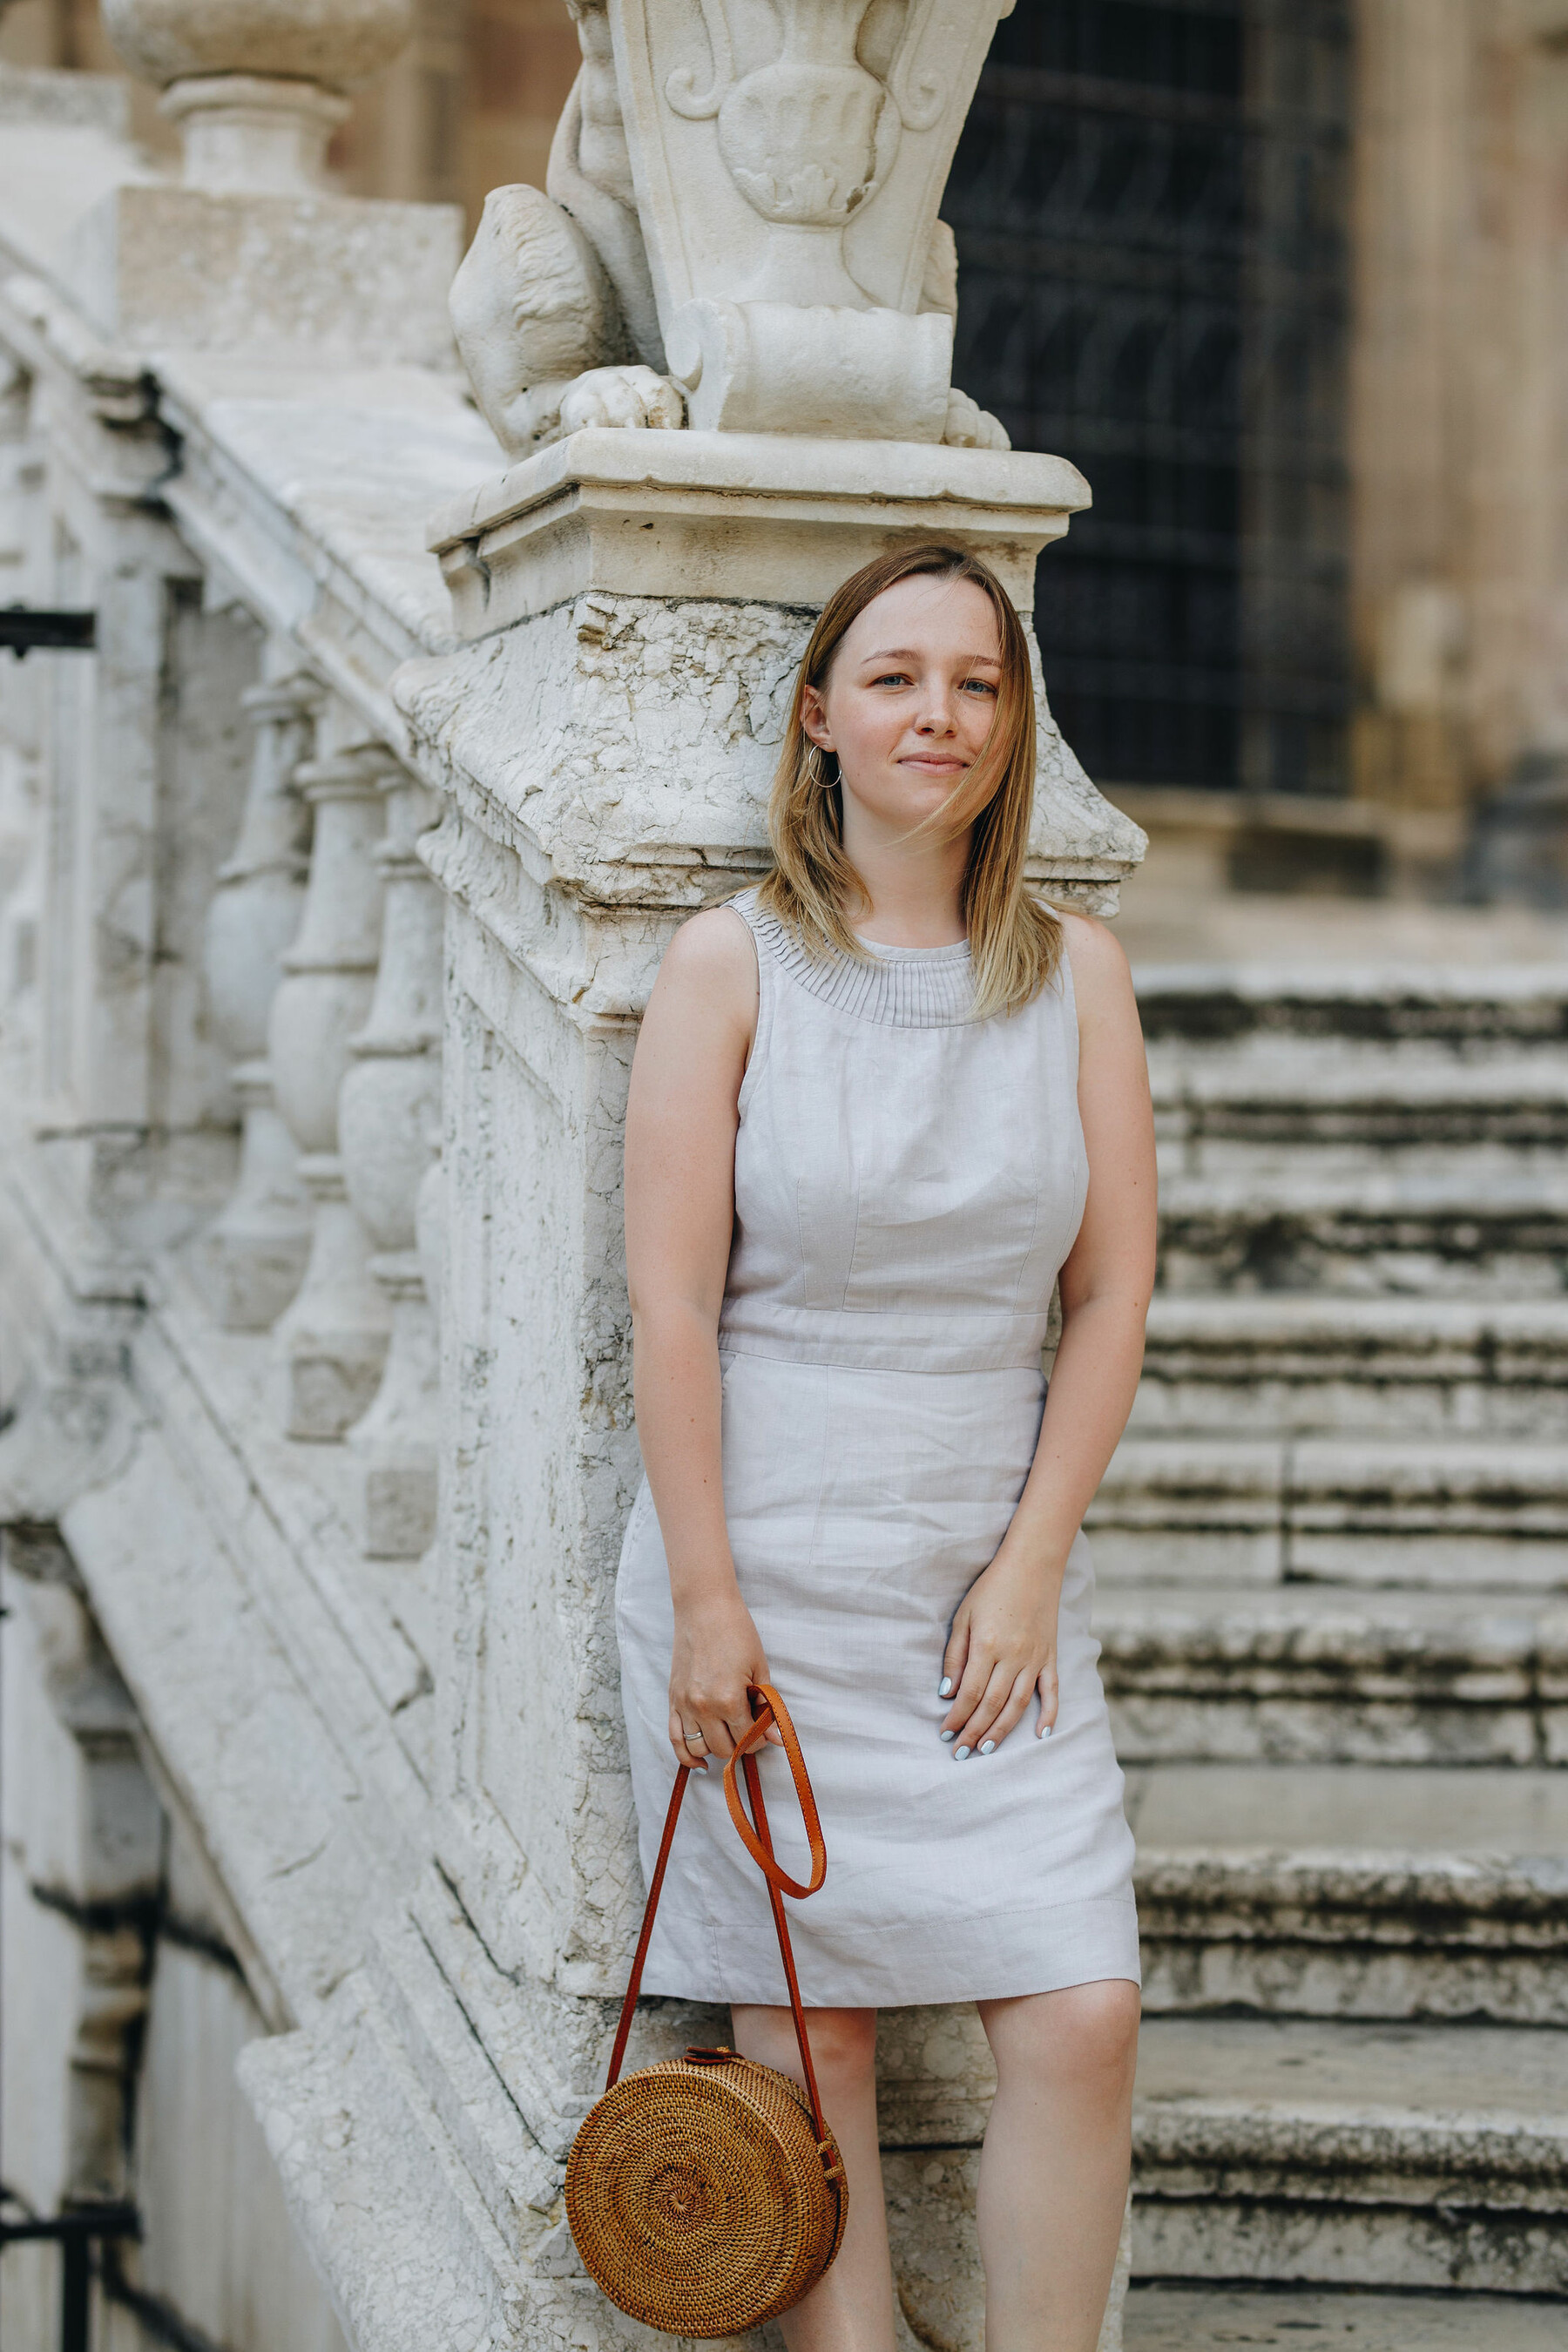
(167, 269)
(1354, 1892)
(1416, 1368)
(1298, 1672)
(633, 740)
(1178, 2319)
(1411, 2155)
(1467, 1511)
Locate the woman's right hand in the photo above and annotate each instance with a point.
(716, 1655)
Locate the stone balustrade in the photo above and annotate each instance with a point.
(330, 889)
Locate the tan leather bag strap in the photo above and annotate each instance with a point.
(759, 1844)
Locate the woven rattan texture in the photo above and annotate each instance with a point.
(699, 2199)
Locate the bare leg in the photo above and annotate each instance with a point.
(1053, 2176)
(852, 2309)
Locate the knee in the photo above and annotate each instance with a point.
(1097, 2049)
(843, 2048)
(1080, 2043)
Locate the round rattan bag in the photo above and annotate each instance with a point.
(706, 2194)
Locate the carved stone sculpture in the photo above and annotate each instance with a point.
(255, 1251)
(542, 333)
(740, 225)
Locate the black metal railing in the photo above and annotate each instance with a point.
(25, 629)
(76, 2233)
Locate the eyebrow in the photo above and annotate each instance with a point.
(906, 653)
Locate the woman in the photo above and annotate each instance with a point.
(880, 1103)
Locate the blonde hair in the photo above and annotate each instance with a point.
(1014, 943)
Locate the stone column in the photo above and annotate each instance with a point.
(331, 1345)
(255, 1251)
(389, 1123)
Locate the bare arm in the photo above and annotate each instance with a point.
(681, 1119)
(1004, 1637)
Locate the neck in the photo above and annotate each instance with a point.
(913, 891)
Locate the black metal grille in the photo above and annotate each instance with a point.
(1149, 205)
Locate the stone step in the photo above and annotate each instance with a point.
(1458, 1512)
(1166, 2319)
(1409, 2155)
(1277, 1099)
(1444, 1231)
(1319, 1674)
(1492, 1006)
(1258, 1364)
(1354, 1891)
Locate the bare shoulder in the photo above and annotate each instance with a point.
(712, 964)
(1102, 976)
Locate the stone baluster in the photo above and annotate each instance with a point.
(389, 1122)
(255, 1252)
(331, 1345)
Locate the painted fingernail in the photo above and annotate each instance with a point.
(946, 1736)
(1045, 1731)
(959, 1753)
(945, 1689)
(988, 1748)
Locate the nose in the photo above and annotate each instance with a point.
(937, 715)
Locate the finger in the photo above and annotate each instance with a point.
(977, 1671)
(984, 1712)
(954, 1656)
(1050, 1698)
(1011, 1713)
(681, 1734)
(716, 1732)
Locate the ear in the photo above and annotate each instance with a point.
(814, 720)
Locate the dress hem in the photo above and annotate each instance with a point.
(1095, 1940)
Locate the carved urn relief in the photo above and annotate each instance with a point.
(789, 158)
(806, 138)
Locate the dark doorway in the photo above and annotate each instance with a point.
(1148, 200)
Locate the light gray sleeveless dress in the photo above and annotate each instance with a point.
(908, 1181)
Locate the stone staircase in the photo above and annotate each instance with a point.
(1334, 1562)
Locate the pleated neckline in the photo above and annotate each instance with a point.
(904, 988)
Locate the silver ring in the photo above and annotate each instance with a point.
(692, 1740)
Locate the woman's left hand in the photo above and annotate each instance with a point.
(1002, 1649)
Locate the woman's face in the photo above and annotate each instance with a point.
(909, 701)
